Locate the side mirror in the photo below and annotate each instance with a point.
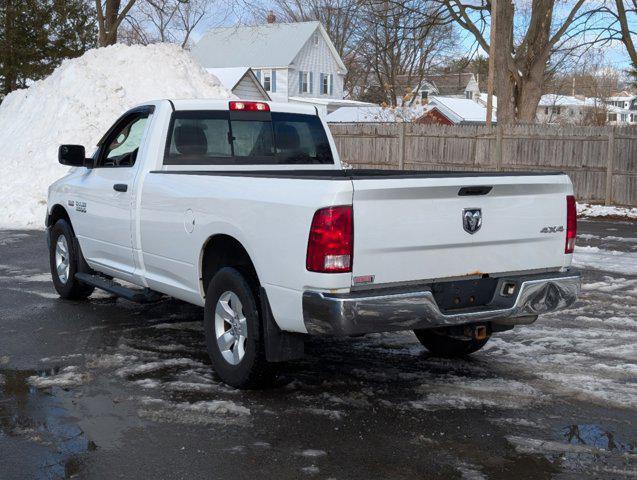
(72, 155)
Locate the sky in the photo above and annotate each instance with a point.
(614, 54)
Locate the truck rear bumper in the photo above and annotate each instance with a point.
(416, 307)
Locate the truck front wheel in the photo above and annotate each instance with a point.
(234, 331)
(64, 260)
(444, 342)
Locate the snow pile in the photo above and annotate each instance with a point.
(76, 104)
(589, 210)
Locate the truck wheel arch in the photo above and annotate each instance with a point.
(57, 212)
(223, 250)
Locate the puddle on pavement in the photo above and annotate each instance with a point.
(595, 436)
(51, 436)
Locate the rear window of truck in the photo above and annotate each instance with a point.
(246, 138)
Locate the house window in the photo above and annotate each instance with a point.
(612, 117)
(267, 80)
(326, 83)
(305, 82)
(468, 95)
(424, 95)
(623, 117)
(557, 110)
(546, 110)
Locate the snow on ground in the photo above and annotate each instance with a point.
(607, 260)
(76, 104)
(589, 210)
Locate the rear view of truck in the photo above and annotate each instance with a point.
(452, 256)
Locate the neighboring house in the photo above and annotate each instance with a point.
(376, 114)
(567, 109)
(294, 62)
(461, 111)
(459, 85)
(620, 101)
(242, 82)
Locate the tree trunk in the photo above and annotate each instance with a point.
(504, 80)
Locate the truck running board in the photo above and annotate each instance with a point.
(136, 295)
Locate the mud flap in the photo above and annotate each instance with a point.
(280, 346)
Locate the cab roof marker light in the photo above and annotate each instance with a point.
(250, 106)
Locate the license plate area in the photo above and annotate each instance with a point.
(463, 294)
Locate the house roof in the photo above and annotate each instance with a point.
(460, 110)
(331, 101)
(376, 113)
(444, 83)
(231, 76)
(268, 45)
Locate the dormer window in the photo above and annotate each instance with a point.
(424, 95)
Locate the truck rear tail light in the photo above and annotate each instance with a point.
(571, 224)
(331, 242)
(250, 106)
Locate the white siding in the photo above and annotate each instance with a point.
(315, 58)
(247, 90)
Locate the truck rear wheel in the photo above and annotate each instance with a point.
(64, 260)
(447, 343)
(234, 331)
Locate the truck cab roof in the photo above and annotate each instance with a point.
(224, 104)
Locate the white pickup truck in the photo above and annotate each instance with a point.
(244, 209)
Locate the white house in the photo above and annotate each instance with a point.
(294, 62)
(554, 108)
(242, 82)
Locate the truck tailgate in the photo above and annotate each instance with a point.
(411, 228)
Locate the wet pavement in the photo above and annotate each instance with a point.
(109, 389)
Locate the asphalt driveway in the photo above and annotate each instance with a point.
(110, 389)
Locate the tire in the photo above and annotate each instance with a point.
(229, 299)
(441, 343)
(64, 260)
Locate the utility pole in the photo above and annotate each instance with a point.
(494, 8)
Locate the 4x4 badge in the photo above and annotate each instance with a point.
(471, 220)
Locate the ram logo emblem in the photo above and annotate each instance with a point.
(471, 220)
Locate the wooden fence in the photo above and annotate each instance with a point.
(601, 161)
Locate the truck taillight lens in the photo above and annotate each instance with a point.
(331, 242)
(571, 224)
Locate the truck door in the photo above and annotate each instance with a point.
(106, 198)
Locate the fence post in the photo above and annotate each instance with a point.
(401, 145)
(608, 200)
(498, 147)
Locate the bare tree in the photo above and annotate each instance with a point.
(400, 48)
(526, 45)
(173, 21)
(624, 17)
(110, 15)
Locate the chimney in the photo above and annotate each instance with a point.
(271, 18)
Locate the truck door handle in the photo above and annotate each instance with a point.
(120, 187)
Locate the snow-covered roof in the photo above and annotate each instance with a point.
(268, 45)
(332, 102)
(229, 77)
(620, 98)
(556, 100)
(376, 113)
(460, 110)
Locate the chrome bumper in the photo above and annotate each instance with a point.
(368, 312)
